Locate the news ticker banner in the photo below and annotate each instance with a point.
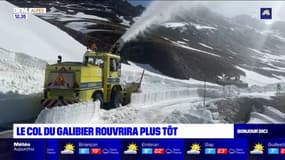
(173, 131)
(147, 141)
(124, 131)
(145, 149)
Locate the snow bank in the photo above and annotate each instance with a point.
(254, 78)
(205, 45)
(269, 115)
(274, 113)
(202, 27)
(20, 73)
(151, 78)
(21, 79)
(36, 37)
(173, 111)
(191, 116)
(183, 24)
(74, 113)
(266, 56)
(79, 26)
(140, 99)
(174, 24)
(83, 15)
(195, 49)
(124, 21)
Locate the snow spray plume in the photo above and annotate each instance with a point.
(156, 13)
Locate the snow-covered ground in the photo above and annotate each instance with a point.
(83, 27)
(20, 73)
(184, 45)
(269, 115)
(83, 15)
(80, 26)
(124, 21)
(174, 24)
(202, 27)
(266, 57)
(36, 37)
(207, 46)
(63, 16)
(254, 78)
(183, 24)
(195, 49)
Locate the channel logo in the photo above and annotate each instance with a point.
(95, 151)
(273, 150)
(22, 13)
(265, 13)
(147, 151)
(210, 150)
(159, 151)
(83, 151)
(222, 151)
(30, 10)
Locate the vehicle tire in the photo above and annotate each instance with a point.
(116, 99)
(98, 96)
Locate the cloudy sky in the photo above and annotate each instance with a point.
(233, 8)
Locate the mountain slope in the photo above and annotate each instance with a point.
(201, 44)
(102, 22)
(36, 37)
(193, 43)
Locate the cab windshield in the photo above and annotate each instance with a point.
(94, 60)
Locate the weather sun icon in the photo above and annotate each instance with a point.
(195, 149)
(132, 149)
(257, 149)
(68, 149)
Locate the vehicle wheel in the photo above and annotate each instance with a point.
(98, 96)
(116, 99)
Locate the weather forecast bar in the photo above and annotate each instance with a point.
(123, 131)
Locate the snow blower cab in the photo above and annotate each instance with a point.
(96, 78)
